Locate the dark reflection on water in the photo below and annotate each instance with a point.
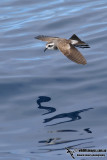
(55, 141)
(88, 130)
(45, 99)
(72, 115)
(69, 146)
(68, 130)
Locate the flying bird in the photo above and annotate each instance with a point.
(71, 152)
(66, 46)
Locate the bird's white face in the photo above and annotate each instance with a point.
(50, 45)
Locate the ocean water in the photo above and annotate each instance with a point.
(47, 102)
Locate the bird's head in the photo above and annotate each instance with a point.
(49, 45)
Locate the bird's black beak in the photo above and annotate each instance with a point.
(45, 49)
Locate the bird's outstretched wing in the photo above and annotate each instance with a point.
(46, 38)
(71, 52)
(74, 37)
(77, 42)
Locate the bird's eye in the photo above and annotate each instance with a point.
(49, 45)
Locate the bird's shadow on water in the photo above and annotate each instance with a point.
(42, 99)
(73, 116)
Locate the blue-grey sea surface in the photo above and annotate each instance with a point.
(47, 102)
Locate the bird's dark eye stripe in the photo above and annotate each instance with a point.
(50, 45)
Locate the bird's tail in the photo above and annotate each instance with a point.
(77, 42)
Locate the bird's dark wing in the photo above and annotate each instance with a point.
(74, 37)
(71, 52)
(46, 38)
(77, 42)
